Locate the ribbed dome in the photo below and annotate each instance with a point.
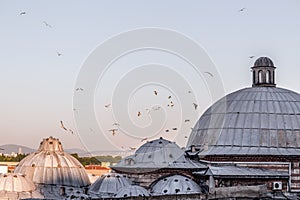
(155, 154)
(263, 62)
(15, 183)
(132, 191)
(108, 185)
(51, 165)
(258, 120)
(175, 184)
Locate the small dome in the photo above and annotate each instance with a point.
(175, 184)
(108, 185)
(15, 183)
(263, 62)
(132, 191)
(51, 165)
(151, 155)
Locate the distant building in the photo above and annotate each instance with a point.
(97, 170)
(3, 169)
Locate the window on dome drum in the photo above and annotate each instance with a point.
(253, 76)
(260, 76)
(268, 76)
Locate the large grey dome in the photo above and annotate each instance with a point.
(51, 165)
(257, 120)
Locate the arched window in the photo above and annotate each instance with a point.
(260, 76)
(253, 76)
(268, 76)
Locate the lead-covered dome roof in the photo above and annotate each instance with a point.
(108, 185)
(175, 184)
(51, 165)
(257, 120)
(13, 182)
(132, 191)
(156, 154)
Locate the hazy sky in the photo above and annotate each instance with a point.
(37, 85)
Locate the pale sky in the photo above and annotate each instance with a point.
(38, 85)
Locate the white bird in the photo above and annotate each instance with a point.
(209, 74)
(46, 24)
(171, 104)
(156, 107)
(58, 54)
(195, 106)
(79, 89)
(113, 131)
(242, 9)
(63, 126)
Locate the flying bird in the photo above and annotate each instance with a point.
(169, 97)
(58, 54)
(186, 120)
(251, 57)
(195, 106)
(174, 129)
(116, 124)
(63, 126)
(144, 139)
(132, 148)
(242, 9)
(185, 136)
(209, 74)
(71, 131)
(113, 131)
(171, 104)
(156, 107)
(167, 130)
(79, 89)
(107, 105)
(155, 92)
(46, 24)
(23, 13)
(139, 114)
(189, 91)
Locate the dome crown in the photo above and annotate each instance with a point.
(50, 144)
(263, 62)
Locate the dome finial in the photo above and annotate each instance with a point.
(263, 73)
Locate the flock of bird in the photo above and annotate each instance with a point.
(116, 125)
(46, 24)
(139, 113)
